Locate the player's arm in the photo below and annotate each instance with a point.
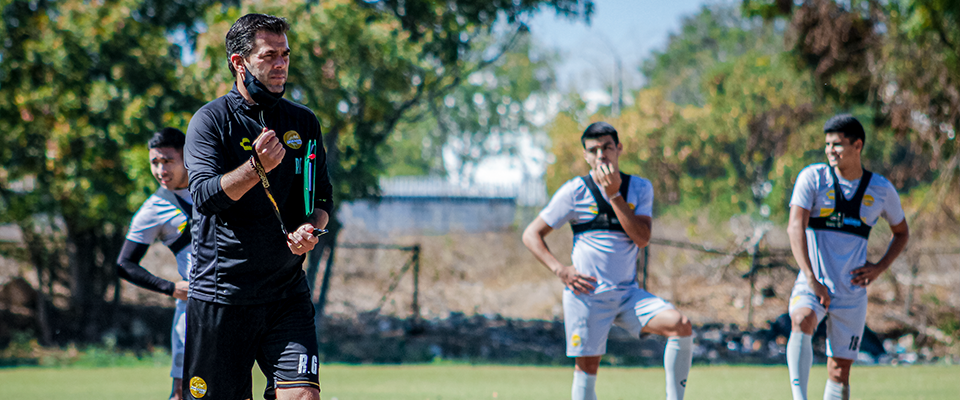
(637, 227)
(796, 229)
(533, 238)
(869, 272)
(213, 188)
(128, 267)
(269, 150)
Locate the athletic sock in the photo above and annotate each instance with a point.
(584, 386)
(676, 361)
(836, 391)
(799, 361)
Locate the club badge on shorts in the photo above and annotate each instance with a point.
(575, 340)
(198, 388)
(292, 139)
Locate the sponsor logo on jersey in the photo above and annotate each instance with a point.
(292, 139)
(245, 143)
(575, 340)
(868, 200)
(198, 388)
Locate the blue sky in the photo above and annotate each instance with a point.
(628, 28)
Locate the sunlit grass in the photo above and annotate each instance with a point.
(446, 381)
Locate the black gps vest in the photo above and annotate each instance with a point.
(186, 209)
(606, 219)
(846, 213)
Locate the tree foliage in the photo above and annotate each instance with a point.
(81, 85)
(735, 103)
(84, 83)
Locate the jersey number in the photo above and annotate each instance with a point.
(854, 342)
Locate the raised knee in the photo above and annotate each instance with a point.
(684, 327)
(804, 321)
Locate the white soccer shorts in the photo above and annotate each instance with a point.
(845, 325)
(178, 336)
(587, 318)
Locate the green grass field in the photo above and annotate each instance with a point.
(448, 382)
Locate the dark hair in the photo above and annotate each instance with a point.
(847, 125)
(598, 130)
(167, 137)
(243, 33)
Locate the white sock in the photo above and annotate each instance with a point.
(836, 391)
(799, 361)
(676, 360)
(584, 386)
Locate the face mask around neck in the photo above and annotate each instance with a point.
(259, 92)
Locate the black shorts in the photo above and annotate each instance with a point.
(224, 340)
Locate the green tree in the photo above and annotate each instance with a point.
(81, 85)
(719, 143)
(897, 64)
(365, 66)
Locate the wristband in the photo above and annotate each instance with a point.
(615, 196)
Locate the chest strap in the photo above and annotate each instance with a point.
(186, 209)
(606, 219)
(846, 213)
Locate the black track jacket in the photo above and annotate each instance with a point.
(240, 254)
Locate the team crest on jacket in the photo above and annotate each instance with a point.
(292, 139)
(198, 388)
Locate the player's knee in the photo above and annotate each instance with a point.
(589, 365)
(804, 320)
(683, 327)
(298, 393)
(838, 369)
(177, 389)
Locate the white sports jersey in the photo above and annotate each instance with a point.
(157, 218)
(833, 254)
(609, 256)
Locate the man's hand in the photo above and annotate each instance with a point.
(302, 240)
(608, 177)
(269, 150)
(579, 284)
(821, 292)
(866, 274)
(180, 290)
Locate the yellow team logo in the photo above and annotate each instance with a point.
(575, 340)
(632, 206)
(794, 300)
(198, 388)
(292, 139)
(245, 144)
(868, 200)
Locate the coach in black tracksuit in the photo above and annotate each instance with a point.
(249, 298)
